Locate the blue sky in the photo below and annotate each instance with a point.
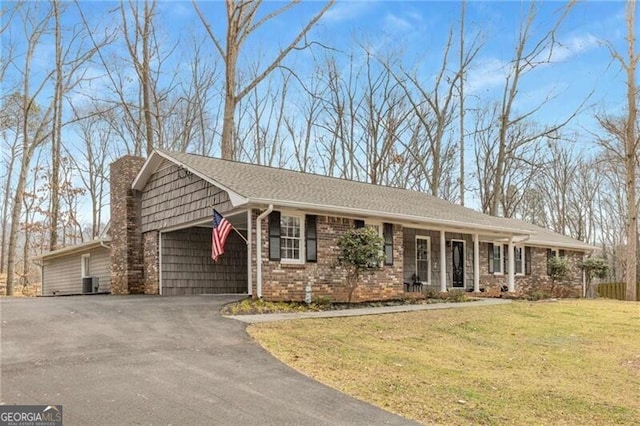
(416, 31)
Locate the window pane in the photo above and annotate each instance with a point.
(497, 258)
(290, 237)
(518, 259)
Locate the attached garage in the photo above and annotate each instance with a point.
(80, 269)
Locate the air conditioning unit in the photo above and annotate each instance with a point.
(90, 285)
(87, 285)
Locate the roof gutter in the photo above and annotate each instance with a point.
(263, 215)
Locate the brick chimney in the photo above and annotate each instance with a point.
(126, 238)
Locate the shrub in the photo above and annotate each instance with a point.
(449, 296)
(361, 250)
(594, 267)
(322, 300)
(537, 295)
(558, 267)
(457, 296)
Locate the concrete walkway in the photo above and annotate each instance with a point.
(253, 319)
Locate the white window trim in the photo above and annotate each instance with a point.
(83, 271)
(501, 263)
(523, 261)
(428, 238)
(302, 257)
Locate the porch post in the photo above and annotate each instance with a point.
(249, 246)
(476, 263)
(443, 263)
(512, 266)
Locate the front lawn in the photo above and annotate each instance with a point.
(564, 362)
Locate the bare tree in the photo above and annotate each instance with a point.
(33, 124)
(36, 123)
(529, 54)
(435, 109)
(11, 151)
(629, 64)
(304, 132)
(241, 23)
(142, 33)
(91, 161)
(56, 131)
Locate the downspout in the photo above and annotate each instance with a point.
(259, 249)
(159, 263)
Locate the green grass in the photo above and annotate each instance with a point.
(566, 362)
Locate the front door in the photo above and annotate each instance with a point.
(457, 256)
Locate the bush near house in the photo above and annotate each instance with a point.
(361, 251)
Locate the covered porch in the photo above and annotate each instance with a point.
(447, 259)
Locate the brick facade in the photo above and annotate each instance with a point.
(126, 238)
(538, 280)
(281, 281)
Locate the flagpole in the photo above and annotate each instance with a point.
(241, 236)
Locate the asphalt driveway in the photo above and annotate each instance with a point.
(156, 360)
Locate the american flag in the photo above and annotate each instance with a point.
(221, 229)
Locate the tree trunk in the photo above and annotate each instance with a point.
(146, 77)
(630, 157)
(16, 209)
(5, 209)
(56, 136)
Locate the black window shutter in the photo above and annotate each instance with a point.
(358, 223)
(274, 235)
(527, 260)
(388, 244)
(549, 256)
(311, 241)
(490, 253)
(505, 258)
(561, 253)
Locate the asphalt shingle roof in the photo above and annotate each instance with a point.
(279, 186)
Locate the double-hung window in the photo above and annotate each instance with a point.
(518, 257)
(290, 238)
(496, 258)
